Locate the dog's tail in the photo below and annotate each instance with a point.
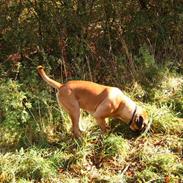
(50, 81)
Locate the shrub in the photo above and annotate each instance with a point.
(13, 104)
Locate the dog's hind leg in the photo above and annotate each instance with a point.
(71, 106)
(74, 113)
(74, 116)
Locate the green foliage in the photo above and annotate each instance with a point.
(84, 41)
(146, 59)
(14, 104)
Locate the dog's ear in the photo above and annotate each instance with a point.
(139, 122)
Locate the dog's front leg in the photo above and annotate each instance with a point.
(103, 111)
(102, 123)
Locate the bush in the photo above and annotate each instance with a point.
(14, 104)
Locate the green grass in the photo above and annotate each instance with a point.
(29, 165)
(118, 156)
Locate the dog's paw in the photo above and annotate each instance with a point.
(77, 133)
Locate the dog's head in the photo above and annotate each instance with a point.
(140, 120)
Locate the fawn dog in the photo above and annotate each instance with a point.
(99, 100)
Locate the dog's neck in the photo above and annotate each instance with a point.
(127, 109)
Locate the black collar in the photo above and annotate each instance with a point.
(133, 116)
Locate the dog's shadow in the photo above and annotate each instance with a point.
(122, 129)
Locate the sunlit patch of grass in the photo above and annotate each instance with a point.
(29, 165)
(170, 92)
(157, 160)
(173, 143)
(154, 158)
(148, 174)
(161, 165)
(165, 163)
(164, 120)
(22, 180)
(115, 145)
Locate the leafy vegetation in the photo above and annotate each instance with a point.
(134, 45)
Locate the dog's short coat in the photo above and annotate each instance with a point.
(99, 100)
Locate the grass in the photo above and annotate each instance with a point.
(118, 156)
(29, 165)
